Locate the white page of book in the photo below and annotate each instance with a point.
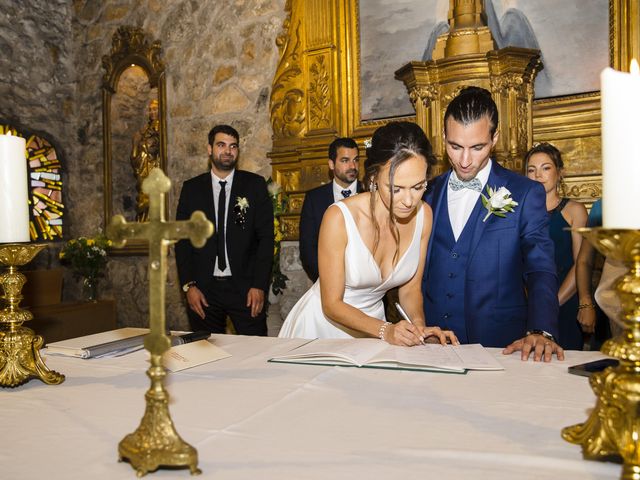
(357, 351)
(436, 355)
(475, 357)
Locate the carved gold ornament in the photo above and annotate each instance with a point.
(20, 359)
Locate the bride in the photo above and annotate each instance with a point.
(371, 243)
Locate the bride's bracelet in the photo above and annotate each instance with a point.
(383, 329)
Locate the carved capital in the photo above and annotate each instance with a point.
(425, 94)
(505, 82)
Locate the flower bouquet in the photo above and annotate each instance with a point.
(88, 259)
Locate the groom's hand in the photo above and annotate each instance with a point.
(542, 348)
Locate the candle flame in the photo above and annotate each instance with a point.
(634, 69)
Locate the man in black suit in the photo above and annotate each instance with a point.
(343, 162)
(230, 275)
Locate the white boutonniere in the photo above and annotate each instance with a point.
(242, 203)
(498, 203)
(240, 209)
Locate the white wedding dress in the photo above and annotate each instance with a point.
(364, 286)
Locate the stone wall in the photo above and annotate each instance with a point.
(220, 59)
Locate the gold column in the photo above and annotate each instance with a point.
(467, 56)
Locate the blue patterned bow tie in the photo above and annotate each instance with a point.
(473, 184)
(346, 193)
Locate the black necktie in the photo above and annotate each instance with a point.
(346, 193)
(222, 200)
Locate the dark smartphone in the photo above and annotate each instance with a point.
(586, 369)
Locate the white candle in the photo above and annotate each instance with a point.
(14, 197)
(621, 148)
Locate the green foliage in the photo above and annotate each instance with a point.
(87, 257)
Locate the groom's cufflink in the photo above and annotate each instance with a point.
(546, 335)
(187, 286)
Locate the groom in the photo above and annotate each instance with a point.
(489, 278)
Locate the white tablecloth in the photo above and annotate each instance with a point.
(250, 419)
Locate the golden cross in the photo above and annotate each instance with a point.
(155, 442)
(160, 235)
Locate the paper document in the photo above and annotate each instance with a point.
(99, 344)
(373, 353)
(193, 354)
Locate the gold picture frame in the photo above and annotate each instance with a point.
(130, 48)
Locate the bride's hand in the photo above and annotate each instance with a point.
(404, 333)
(437, 335)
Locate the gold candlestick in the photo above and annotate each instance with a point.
(612, 430)
(20, 359)
(156, 442)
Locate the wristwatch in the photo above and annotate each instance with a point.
(187, 286)
(546, 335)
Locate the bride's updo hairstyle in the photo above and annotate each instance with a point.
(394, 142)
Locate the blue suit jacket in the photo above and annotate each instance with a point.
(316, 202)
(510, 283)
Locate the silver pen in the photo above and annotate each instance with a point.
(404, 315)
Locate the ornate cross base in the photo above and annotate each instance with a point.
(20, 359)
(612, 431)
(155, 442)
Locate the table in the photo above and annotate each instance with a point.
(250, 419)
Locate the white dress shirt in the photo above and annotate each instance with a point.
(337, 190)
(462, 202)
(216, 193)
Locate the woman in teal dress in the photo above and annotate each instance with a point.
(544, 164)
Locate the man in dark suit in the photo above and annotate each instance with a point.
(343, 162)
(230, 275)
(490, 275)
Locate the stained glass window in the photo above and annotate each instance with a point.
(45, 186)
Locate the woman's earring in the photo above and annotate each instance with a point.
(561, 187)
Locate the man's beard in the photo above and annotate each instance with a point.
(225, 164)
(349, 176)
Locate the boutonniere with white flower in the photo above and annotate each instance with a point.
(240, 209)
(498, 203)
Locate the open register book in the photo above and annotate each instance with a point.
(372, 353)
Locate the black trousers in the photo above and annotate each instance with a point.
(225, 299)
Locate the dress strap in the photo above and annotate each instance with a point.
(560, 206)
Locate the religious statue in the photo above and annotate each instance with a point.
(145, 156)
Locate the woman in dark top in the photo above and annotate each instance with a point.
(544, 164)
